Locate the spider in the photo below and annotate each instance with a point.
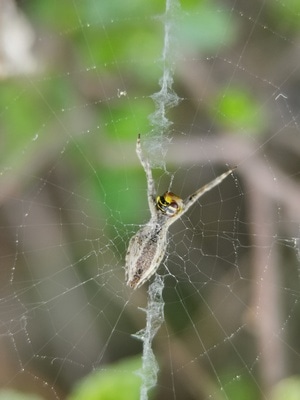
(148, 246)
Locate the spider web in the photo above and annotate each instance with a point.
(79, 82)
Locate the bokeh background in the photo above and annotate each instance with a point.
(76, 84)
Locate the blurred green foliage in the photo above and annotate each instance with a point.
(119, 381)
(238, 110)
(286, 15)
(15, 395)
(202, 29)
(287, 389)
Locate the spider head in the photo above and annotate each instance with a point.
(169, 204)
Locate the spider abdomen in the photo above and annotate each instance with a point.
(145, 252)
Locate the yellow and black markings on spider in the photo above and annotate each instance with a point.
(148, 246)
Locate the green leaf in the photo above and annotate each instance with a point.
(14, 395)
(204, 29)
(287, 389)
(285, 15)
(119, 381)
(237, 109)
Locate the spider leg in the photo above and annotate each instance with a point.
(150, 182)
(189, 201)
